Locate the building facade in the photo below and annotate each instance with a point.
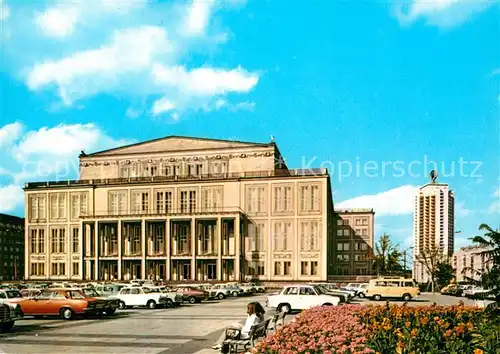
(11, 247)
(353, 243)
(469, 263)
(181, 208)
(433, 224)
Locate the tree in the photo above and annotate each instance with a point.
(386, 257)
(444, 274)
(430, 258)
(490, 278)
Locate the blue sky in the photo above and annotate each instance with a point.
(338, 84)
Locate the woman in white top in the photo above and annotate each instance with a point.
(252, 319)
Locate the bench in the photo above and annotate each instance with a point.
(257, 331)
(278, 320)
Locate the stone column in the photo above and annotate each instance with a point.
(193, 249)
(143, 248)
(119, 236)
(168, 243)
(237, 248)
(219, 248)
(96, 240)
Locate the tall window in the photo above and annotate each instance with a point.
(309, 236)
(37, 241)
(163, 202)
(58, 206)
(76, 269)
(58, 241)
(257, 236)
(282, 236)
(118, 202)
(59, 268)
(256, 199)
(75, 241)
(212, 198)
(37, 269)
(37, 207)
(140, 202)
(310, 199)
(287, 268)
(188, 201)
(282, 199)
(195, 170)
(78, 205)
(277, 268)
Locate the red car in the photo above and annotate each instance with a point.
(66, 303)
(192, 295)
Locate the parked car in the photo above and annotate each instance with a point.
(111, 304)
(8, 295)
(352, 287)
(258, 288)
(137, 296)
(392, 287)
(9, 314)
(219, 291)
(109, 289)
(173, 298)
(191, 294)
(300, 297)
(247, 288)
(66, 303)
(344, 297)
(362, 290)
(234, 290)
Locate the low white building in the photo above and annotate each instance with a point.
(468, 261)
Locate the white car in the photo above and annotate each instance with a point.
(137, 296)
(9, 314)
(10, 295)
(300, 297)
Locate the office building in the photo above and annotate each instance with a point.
(470, 263)
(11, 247)
(182, 208)
(433, 225)
(353, 243)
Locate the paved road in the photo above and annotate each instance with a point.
(426, 299)
(186, 330)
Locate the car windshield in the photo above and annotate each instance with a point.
(76, 295)
(12, 294)
(90, 292)
(147, 291)
(320, 289)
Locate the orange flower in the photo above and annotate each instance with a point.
(448, 333)
(460, 329)
(470, 326)
(407, 324)
(424, 321)
(414, 332)
(478, 351)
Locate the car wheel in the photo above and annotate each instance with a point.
(66, 313)
(151, 304)
(7, 326)
(170, 303)
(260, 290)
(284, 308)
(406, 297)
(192, 300)
(377, 297)
(327, 304)
(235, 293)
(122, 305)
(361, 295)
(221, 296)
(110, 312)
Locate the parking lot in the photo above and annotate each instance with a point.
(188, 329)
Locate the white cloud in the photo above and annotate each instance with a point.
(162, 105)
(11, 197)
(397, 201)
(198, 16)
(494, 208)
(88, 72)
(205, 81)
(441, 13)
(58, 22)
(133, 113)
(4, 11)
(234, 107)
(10, 133)
(48, 153)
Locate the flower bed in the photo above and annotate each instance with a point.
(325, 330)
(386, 329)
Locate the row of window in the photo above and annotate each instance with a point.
(285, 268)
(58, 206)
(358, 246)
(357, 257)
(361, 221)
(351, 271)
(57, 269)
(57, 240)
(348, 232)
(172, 170)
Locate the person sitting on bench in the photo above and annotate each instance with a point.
(244, 330)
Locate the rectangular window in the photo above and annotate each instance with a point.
(314, 268)
(212, 199)
(37, 207)
(75, 248)
(58, 206)
(282, 199)
(59, 269)
(76, 269)
(310, 199)
(118, 203)
(277, 268)
(78, 205)
(287, 266)
(256, 200)
(37, 269)
(303, 268)
(140, 202)
(261, 268)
